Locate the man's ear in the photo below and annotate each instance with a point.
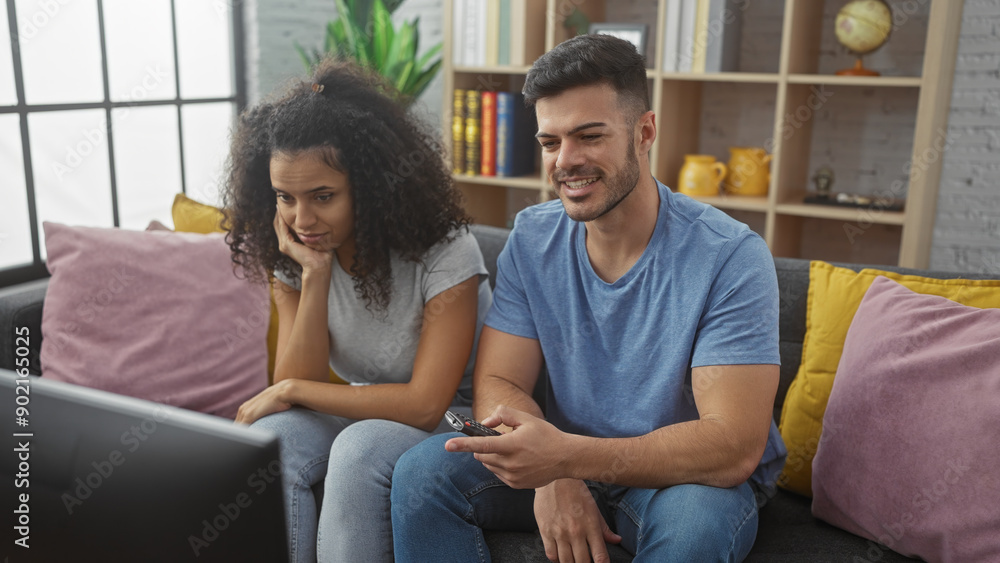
(645, 132)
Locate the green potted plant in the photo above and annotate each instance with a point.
(364, 32)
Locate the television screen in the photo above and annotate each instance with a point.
(94, 476)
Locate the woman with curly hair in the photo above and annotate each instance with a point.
(339, 193)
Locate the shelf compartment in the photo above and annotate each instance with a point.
(836, 240)
(865, 135)
(702, 117)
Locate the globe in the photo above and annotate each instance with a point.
(863, 26)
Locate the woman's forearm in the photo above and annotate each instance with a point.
(399, 402)
(306, 354)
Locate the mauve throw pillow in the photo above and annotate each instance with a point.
(156, 315)
(911, 435)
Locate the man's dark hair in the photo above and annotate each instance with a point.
(591, 59)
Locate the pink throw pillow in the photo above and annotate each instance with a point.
(156, 315)
(911, 435)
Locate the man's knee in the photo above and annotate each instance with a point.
(705, 522)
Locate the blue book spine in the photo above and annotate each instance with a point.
(505, 126)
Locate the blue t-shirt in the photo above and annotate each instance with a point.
(619, 355)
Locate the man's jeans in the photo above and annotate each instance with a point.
(441, 501)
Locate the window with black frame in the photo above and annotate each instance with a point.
(108, 109)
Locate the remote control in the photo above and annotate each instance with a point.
(467, 426)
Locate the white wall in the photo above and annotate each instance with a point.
(967, 229)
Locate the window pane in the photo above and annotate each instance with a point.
(204, 48)
(8, 95)
(15, 231)
(60, 51)
(206, 145)
(69, 159)
(147, 164)
(140, 50)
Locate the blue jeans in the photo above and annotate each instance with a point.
(336, 474)
(451, 496)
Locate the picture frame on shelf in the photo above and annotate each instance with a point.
(634, 33)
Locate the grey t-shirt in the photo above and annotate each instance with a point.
(371, 346)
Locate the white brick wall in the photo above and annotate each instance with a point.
(967, 230)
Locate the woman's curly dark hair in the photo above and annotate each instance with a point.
(404, 198)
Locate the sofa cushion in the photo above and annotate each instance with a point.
(155, 315)
(191, 216)
(911, 455)
(833, 297)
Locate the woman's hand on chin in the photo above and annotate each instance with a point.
(309, 258)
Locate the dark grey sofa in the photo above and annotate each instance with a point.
(787, 533)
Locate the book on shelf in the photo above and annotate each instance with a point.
(458, 132)
(503, 41)
(488, 146)
(497, 32)
(473, 133)
(725, 27)
(516, 146)
(686, 23)
(701, 37)
(493, 33)
(473, 30)
(671, 35)
(458, 32)
(527, 31)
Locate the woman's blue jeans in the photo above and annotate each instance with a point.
(441, 501)
(336, 475)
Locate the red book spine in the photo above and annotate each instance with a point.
(489, 128)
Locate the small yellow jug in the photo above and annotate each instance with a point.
(700, 175)
(749, 171)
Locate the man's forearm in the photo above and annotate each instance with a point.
(702, 452)
(492, 391)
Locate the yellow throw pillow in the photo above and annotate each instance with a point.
(834, 297)
(191, 216)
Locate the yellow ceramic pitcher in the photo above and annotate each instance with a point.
(749, 171)
(700, 175)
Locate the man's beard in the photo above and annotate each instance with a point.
(618, 186)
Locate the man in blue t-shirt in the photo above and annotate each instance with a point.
(656, 318)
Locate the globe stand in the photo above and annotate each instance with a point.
(858, 70)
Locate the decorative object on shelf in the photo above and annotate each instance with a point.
(701, 175)
(634, 33)
(863, 26)
(855, 200)
(364, 33)
(749, 171)
(824, 182)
